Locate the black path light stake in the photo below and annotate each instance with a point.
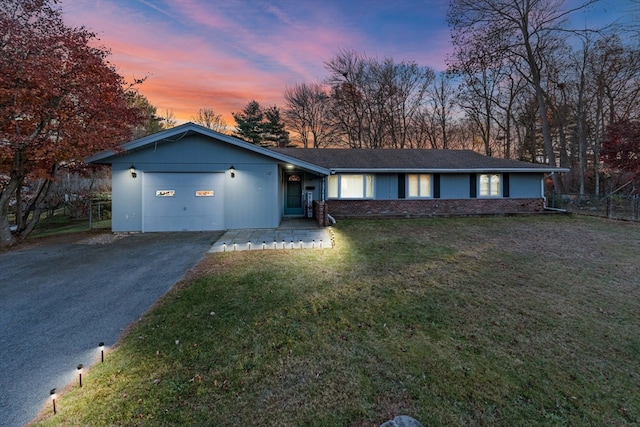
(80, 367)
(101, 347)
(52, 393)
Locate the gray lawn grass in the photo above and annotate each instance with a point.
(471, 321)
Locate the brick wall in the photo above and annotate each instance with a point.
(432, 207)
(320, 213)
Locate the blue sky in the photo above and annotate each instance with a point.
(222, 54)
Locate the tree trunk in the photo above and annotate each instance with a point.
(544, 119)
(6, 236)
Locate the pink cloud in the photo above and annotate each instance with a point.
(197, 55)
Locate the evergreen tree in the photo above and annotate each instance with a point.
(275, 133)
(260, 126)
(151, 122)
(249, 123)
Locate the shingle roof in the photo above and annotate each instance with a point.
(341, 159)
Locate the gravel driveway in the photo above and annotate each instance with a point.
(60, 298)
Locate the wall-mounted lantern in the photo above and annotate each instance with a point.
(133, 172)
(232, 171)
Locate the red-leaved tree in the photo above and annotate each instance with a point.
(621, 147)
(60, 101)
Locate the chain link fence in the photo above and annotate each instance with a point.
(616, 206)
(99, 210)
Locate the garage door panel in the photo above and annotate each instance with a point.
(183, 202)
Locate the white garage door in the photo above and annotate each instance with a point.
(182, 202)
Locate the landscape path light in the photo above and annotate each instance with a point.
(80, 368)
(52, 393)
(101, 348)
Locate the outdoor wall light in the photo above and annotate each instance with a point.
(80, 368)
(101, 348)
(52, 393)
(232, 171)
(133, 172)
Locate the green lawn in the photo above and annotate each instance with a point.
(455, 322)
(62, 224)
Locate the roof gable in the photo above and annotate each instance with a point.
(177, 133)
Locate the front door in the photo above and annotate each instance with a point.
(293, 203)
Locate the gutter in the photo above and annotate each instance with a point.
(446, 170)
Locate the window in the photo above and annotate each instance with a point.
(419, 185)
(489, 185)
(351, 186)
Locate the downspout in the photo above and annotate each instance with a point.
(331, 219)
(546, 207)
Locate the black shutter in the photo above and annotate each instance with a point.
(436, 185)
(401, 186)
(473, 186)
(505, 185)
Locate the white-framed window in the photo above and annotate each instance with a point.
(489, 185)
(419, 185)
(350, 186)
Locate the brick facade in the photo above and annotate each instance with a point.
(431, 207)
(320, 213)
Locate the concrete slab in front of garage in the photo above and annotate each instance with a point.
(292, 234)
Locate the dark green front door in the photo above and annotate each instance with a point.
(293, 194)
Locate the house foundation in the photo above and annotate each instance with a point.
(432, 207)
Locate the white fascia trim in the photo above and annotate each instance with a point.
(462, 170)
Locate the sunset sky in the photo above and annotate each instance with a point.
(222, 54)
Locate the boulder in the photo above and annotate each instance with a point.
(402, 421)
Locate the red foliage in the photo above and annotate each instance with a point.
(60, 100)
(621, 148)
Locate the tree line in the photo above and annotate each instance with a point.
(520, 83)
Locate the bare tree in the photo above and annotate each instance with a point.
(208, 118)
(487, 93)
(347, 72)
(441, 110)
(307, 111)
(524, 32)
(408, 84)
(168, 119)
(376, 103)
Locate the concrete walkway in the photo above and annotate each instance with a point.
(291, 234)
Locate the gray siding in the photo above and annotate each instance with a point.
(126, 209)
(386, 187)
(454, 186)
(251, 199)
(525, 185)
